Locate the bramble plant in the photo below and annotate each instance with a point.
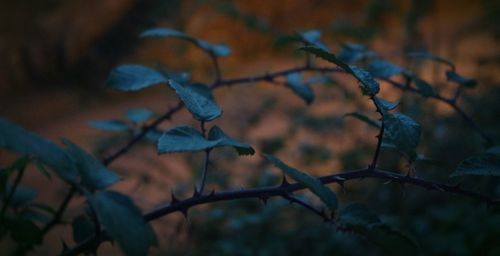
(112, 216)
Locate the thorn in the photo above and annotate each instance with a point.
(212, 193)
(184, 212)
(284, 182)
(174, 198)
(196, 193)
(264, 200)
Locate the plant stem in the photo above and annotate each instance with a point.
(60, 211)
(17, 180)
(207, 160)
(380, 136)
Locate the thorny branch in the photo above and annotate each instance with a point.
(283, 190)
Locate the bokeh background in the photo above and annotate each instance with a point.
(56, 56)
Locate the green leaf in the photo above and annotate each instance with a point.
(186, 138)
(384, 69)
(363, 118)
(131, 77)
(461, 80)
(123, 221)
(109, 125)
(330, 57)
(221, 50)
(139, 115)
(82, 228)
(324, 193)
(17, 139)
(402, 132)
(197, 100)
(484, 165)
(386, 105)
(216, 134)
(303, 90)
(352, 52)
(369, 86)
(94, 174)
(430, 56)
(424, 87)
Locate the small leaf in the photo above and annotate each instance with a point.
(94, 174)
(386, 105)
(363, 118)
(139, 115)
(424, 87)
(369, 86)
(123, 222)
(303, 90)
(323, 192)
(186, 138)
(221, 50)
(461, 80)
(82, 228)
(201, 105)
(384, 69)
(17, 139)
(216, 134)
(484, 165)
(430, 56)
(352, 52)
(109, 125)
(402, 132)
(132, 77)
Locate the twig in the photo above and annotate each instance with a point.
(215, 61)
(280, 190)
(207, 160)
(380, 136)
(60, 211)
(17, 180)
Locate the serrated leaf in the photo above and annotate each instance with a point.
(368, 85)
(402, 132)
(352, 52)
(324, 193)
(482, 165)
(216, 134)
(328, 56)
(186, 138)
(131, 77)
(461, 80)
(123, 222)
(424, 87)
(139, 115)
(109, 125)
(386, 105)
(384, 69)
(430, 56)
(17, 139)
(83, 228)
(363, 118)
(94, 174)
(221, 50)
(303, 90)
(198, 101)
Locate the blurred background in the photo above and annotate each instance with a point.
(56, 56)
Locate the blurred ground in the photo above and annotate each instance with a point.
(57, 54)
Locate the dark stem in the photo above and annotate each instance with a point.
(207, 160)
(215, 61)
(17, 180)
(309, 207)
(280, 190)
(60, 211)
(380, 136)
